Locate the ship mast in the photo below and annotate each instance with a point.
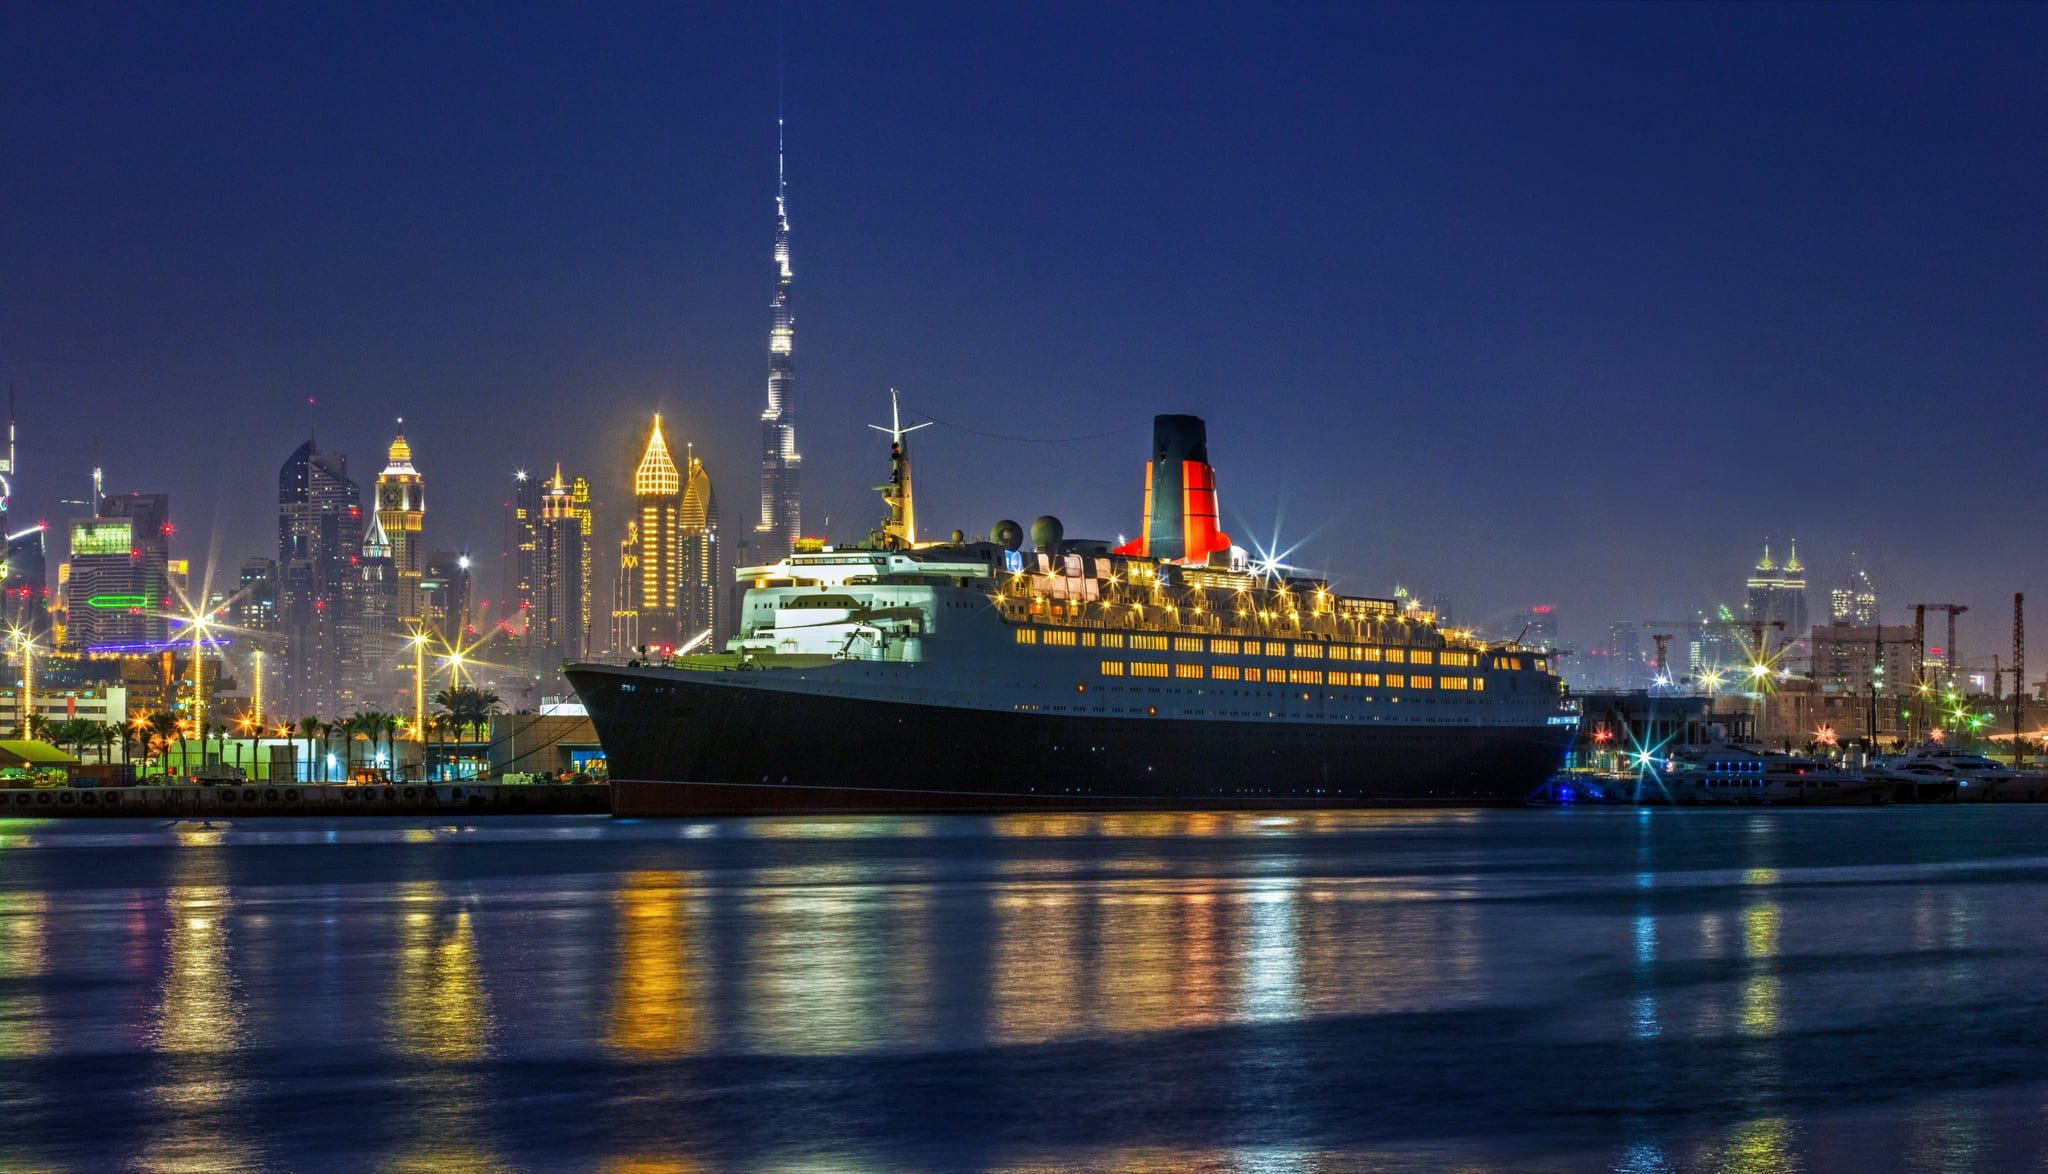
(899, 532)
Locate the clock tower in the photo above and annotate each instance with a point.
(402, 510)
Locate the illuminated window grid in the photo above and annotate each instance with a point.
(1087, 639)
(1454, 683)
(1224, 672)
(1190, 672)
(1112, 639)
(1062, 637)
(1308, 651)
(1396, 655)
(1420, 656)
(1457, 659)
(1027, 635)
(1275, 648)
(1478, 684)
(1255, 675)
(1112, 668)
(1187, 643)
(1223, 647)
(1372, 654)
(1396, 681)
(1147, 668)
(1421, 682)
(1304, 676)
(1149, 643)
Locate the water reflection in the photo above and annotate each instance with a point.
(441, 1019)
(198, 1023)
(24, 1026)
(656, 1004)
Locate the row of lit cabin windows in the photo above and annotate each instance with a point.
(1228, 647)
(1255, 676)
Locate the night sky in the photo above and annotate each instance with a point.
(1528, 303)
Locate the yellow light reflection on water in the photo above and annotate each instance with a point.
(441, 1016)
(199, 1023)
(654, 1009)
(23, 926)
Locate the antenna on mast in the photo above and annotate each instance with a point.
(899, 531)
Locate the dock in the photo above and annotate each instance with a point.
(252, 799)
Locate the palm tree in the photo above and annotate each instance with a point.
(309, 726)
(38, 725)
(106, 736)
(158, 730)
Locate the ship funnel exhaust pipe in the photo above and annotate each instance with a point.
(1180, 495)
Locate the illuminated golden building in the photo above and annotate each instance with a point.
(402, 512)
(657, 494)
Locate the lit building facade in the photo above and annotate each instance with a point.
(319, 550)
(555, 629)
(1778, 594)
(1854, 603)
(444, 595)
(118, 589)
(703, 563)
(402, 514)
(781, 466)
(658, 543)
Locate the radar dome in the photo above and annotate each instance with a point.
(1046, 533)
(1007, 534)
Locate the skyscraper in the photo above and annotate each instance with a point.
(703, 562)
(781, 503)
(657, 496)
(319, 551)
(554, 621)
(1854, 603)
(1778, 594)
(444, 595)
(402, 512)
(25, 576)
(119, 591)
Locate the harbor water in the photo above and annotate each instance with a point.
(1635, 990)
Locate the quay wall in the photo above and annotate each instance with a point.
(263, 798)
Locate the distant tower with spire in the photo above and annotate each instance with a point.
(781, 499)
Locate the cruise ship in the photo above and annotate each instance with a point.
(1030, 671)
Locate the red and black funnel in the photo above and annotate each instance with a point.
(1180, 495)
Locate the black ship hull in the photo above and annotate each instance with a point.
(682, 743)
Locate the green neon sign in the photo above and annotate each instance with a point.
(117, 602)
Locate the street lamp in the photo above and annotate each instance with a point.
(26, 646)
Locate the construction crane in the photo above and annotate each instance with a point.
(1754, 628)
(1948, 652)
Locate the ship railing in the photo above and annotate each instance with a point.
(1119, 616)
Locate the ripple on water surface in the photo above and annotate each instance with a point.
(1646, 991)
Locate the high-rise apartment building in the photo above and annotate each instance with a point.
(781, 500)
(1854, 603)
(555, 618)
(118, 589)
(657, 498)
(626, 592)
(444, 596)
(1778, 594)
(703, 569)
(319, 552)
(25, 573)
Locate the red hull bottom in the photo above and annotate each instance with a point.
(644, 799)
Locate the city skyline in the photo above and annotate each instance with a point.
(1687, 252)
